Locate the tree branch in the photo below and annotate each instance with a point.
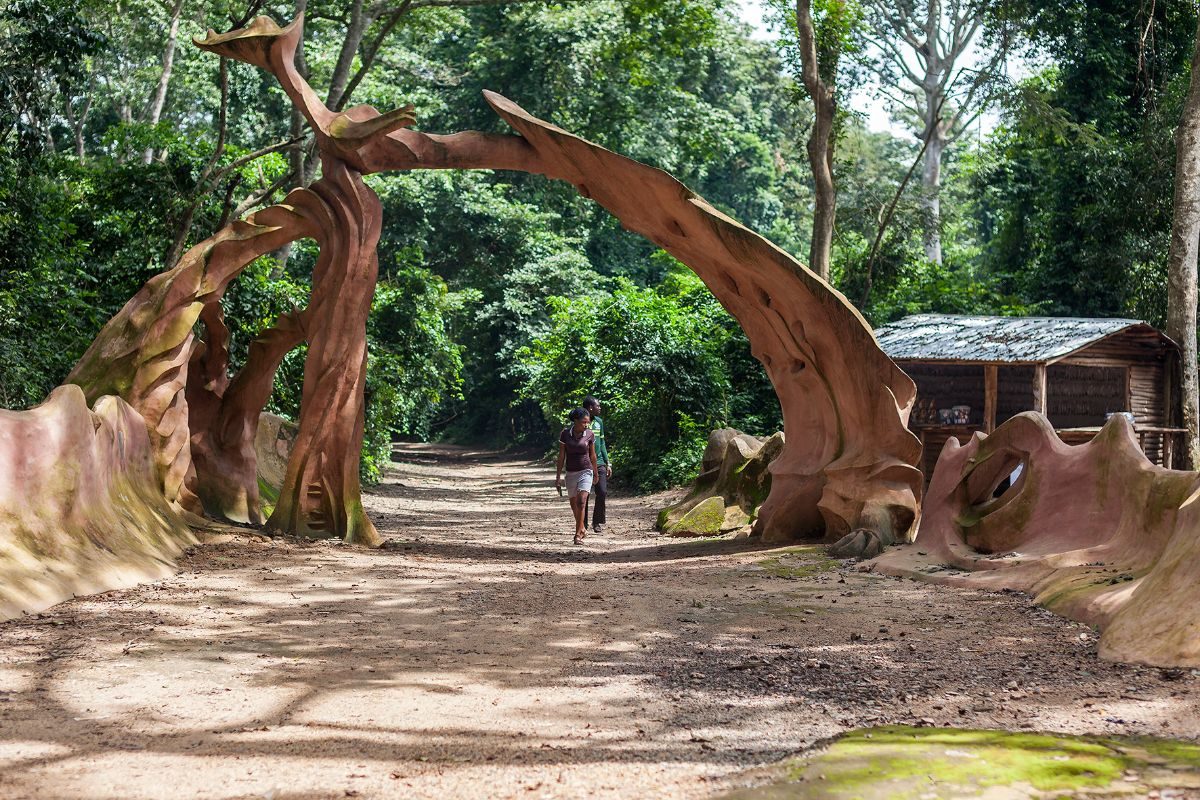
(372, 51)
(246, 159)
(258, 196)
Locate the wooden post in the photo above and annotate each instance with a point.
(1039, 388)
(990, 391)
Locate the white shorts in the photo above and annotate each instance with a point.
(580, 481)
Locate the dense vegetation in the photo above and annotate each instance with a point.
(505, 298)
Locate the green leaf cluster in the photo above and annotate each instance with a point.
(668, 363)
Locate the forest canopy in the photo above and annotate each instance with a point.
(505, 298)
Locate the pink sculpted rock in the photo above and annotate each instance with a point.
(81, 506)
(1095, 532)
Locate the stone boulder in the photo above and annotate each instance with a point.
(273, 445)
(732, 485)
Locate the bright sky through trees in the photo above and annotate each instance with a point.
(867, 100)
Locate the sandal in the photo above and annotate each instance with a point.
(579, 538)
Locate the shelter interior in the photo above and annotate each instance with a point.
(973, 373)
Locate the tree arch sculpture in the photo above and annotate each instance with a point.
(848, 466)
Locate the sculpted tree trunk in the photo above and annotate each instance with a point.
(1181, 259)
(820, 140)
(846, 471)
(321, 494)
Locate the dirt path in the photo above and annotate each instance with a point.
(480, 655)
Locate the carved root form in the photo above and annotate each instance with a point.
(321, 492)
(225, 417)
(1094, 532)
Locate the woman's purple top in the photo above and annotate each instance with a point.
(577, 449)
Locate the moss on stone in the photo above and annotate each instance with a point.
(905, 762)
(664, 518)
(268, 495)
(704, 519)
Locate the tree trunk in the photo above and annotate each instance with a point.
(154, 112)
(820, 143)
(77, 122)
(931, 194)
(359, 22)
(1182, 256)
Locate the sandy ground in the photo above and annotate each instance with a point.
(481, 655)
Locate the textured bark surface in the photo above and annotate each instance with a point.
(1095, 532)
(1182, 258)
(81, 507)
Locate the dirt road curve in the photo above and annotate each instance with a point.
(480, 655)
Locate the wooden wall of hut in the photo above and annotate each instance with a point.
(1078, 396)
(1143, 357)
(1014, 391)
(949, 385)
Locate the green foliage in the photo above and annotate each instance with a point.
(1075, 187)
(1065, 208)
(413, 365)
(659, 361)
(42, 51)
(47, 312)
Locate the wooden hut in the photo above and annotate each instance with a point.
(972, 373)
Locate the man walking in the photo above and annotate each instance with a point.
(604, 466)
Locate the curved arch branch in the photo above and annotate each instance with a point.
(848, 466)
(143, 353)
(848, 470)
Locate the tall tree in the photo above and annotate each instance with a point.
(1182, 257)
(159, 99)
(820, 139)
(924, 58)
(1077, 183)
(817, 34)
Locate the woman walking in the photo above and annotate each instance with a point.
(577, 451)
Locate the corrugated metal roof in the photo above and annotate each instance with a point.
(951, 337)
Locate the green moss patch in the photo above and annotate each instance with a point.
(268, 495)
(705, 519)
(799, 562)
(903, 762)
